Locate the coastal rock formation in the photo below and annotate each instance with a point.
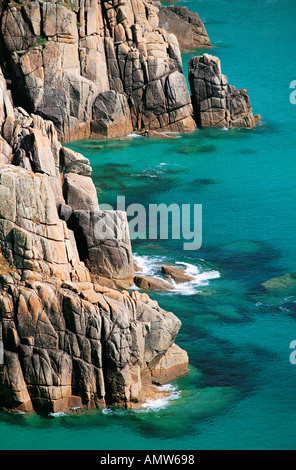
(92, 67)
(185, 25)
(68, 70)
(104, 244)
(282, 282)
(215, 102)
(177, 274)
(69, 344)
(32, 143)
(172, 364)
(67, 340)
(152, 283)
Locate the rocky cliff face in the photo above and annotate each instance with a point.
(215, 102)
(185, 25)
(71, 335)
(68, 340)
(95, 67)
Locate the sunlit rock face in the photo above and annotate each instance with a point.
(94, 67)
(215, 102)
(68, 338)
(185, 25)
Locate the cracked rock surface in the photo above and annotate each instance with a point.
(91, 66)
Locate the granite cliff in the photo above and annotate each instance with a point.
(101, 68)
(215, 102)
(70, 339)
(72, 335)
(185, 25)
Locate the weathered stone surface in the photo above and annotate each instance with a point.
(36, 148)
(73, 162)
(68, 342)
(33, 236)
(93, 68)
(41, 156)
(61, 348)
(179, 275)
(80, 192)
(6, 116)
(5, 151)
(185, 25)
(172, 365)
(215, 102)
(151, 283)
(111, 115)
(105, 245)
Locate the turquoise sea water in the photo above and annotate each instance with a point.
(241, 389)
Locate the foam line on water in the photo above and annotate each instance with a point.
(135, 136)
(58, 414)
(151, 266)
(151, 405)
(161, 403)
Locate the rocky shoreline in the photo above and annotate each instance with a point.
(72, 334)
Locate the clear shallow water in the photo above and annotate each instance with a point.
(241, 390)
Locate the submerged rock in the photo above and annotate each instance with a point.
(281, 282)
(215, 102)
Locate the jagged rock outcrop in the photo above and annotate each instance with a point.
(171, 365)
(179, 275)
(67, 340)
(185, 25)
(104, 244)
(215, 102)
(33, 145)
(72, 70)
(152, 283)
(71, 343)
(93, 67)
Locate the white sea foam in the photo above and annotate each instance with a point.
(108, 411)
(58, 414)
(135, 136)
(161, 403)
(150, 404)
(151, 266)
